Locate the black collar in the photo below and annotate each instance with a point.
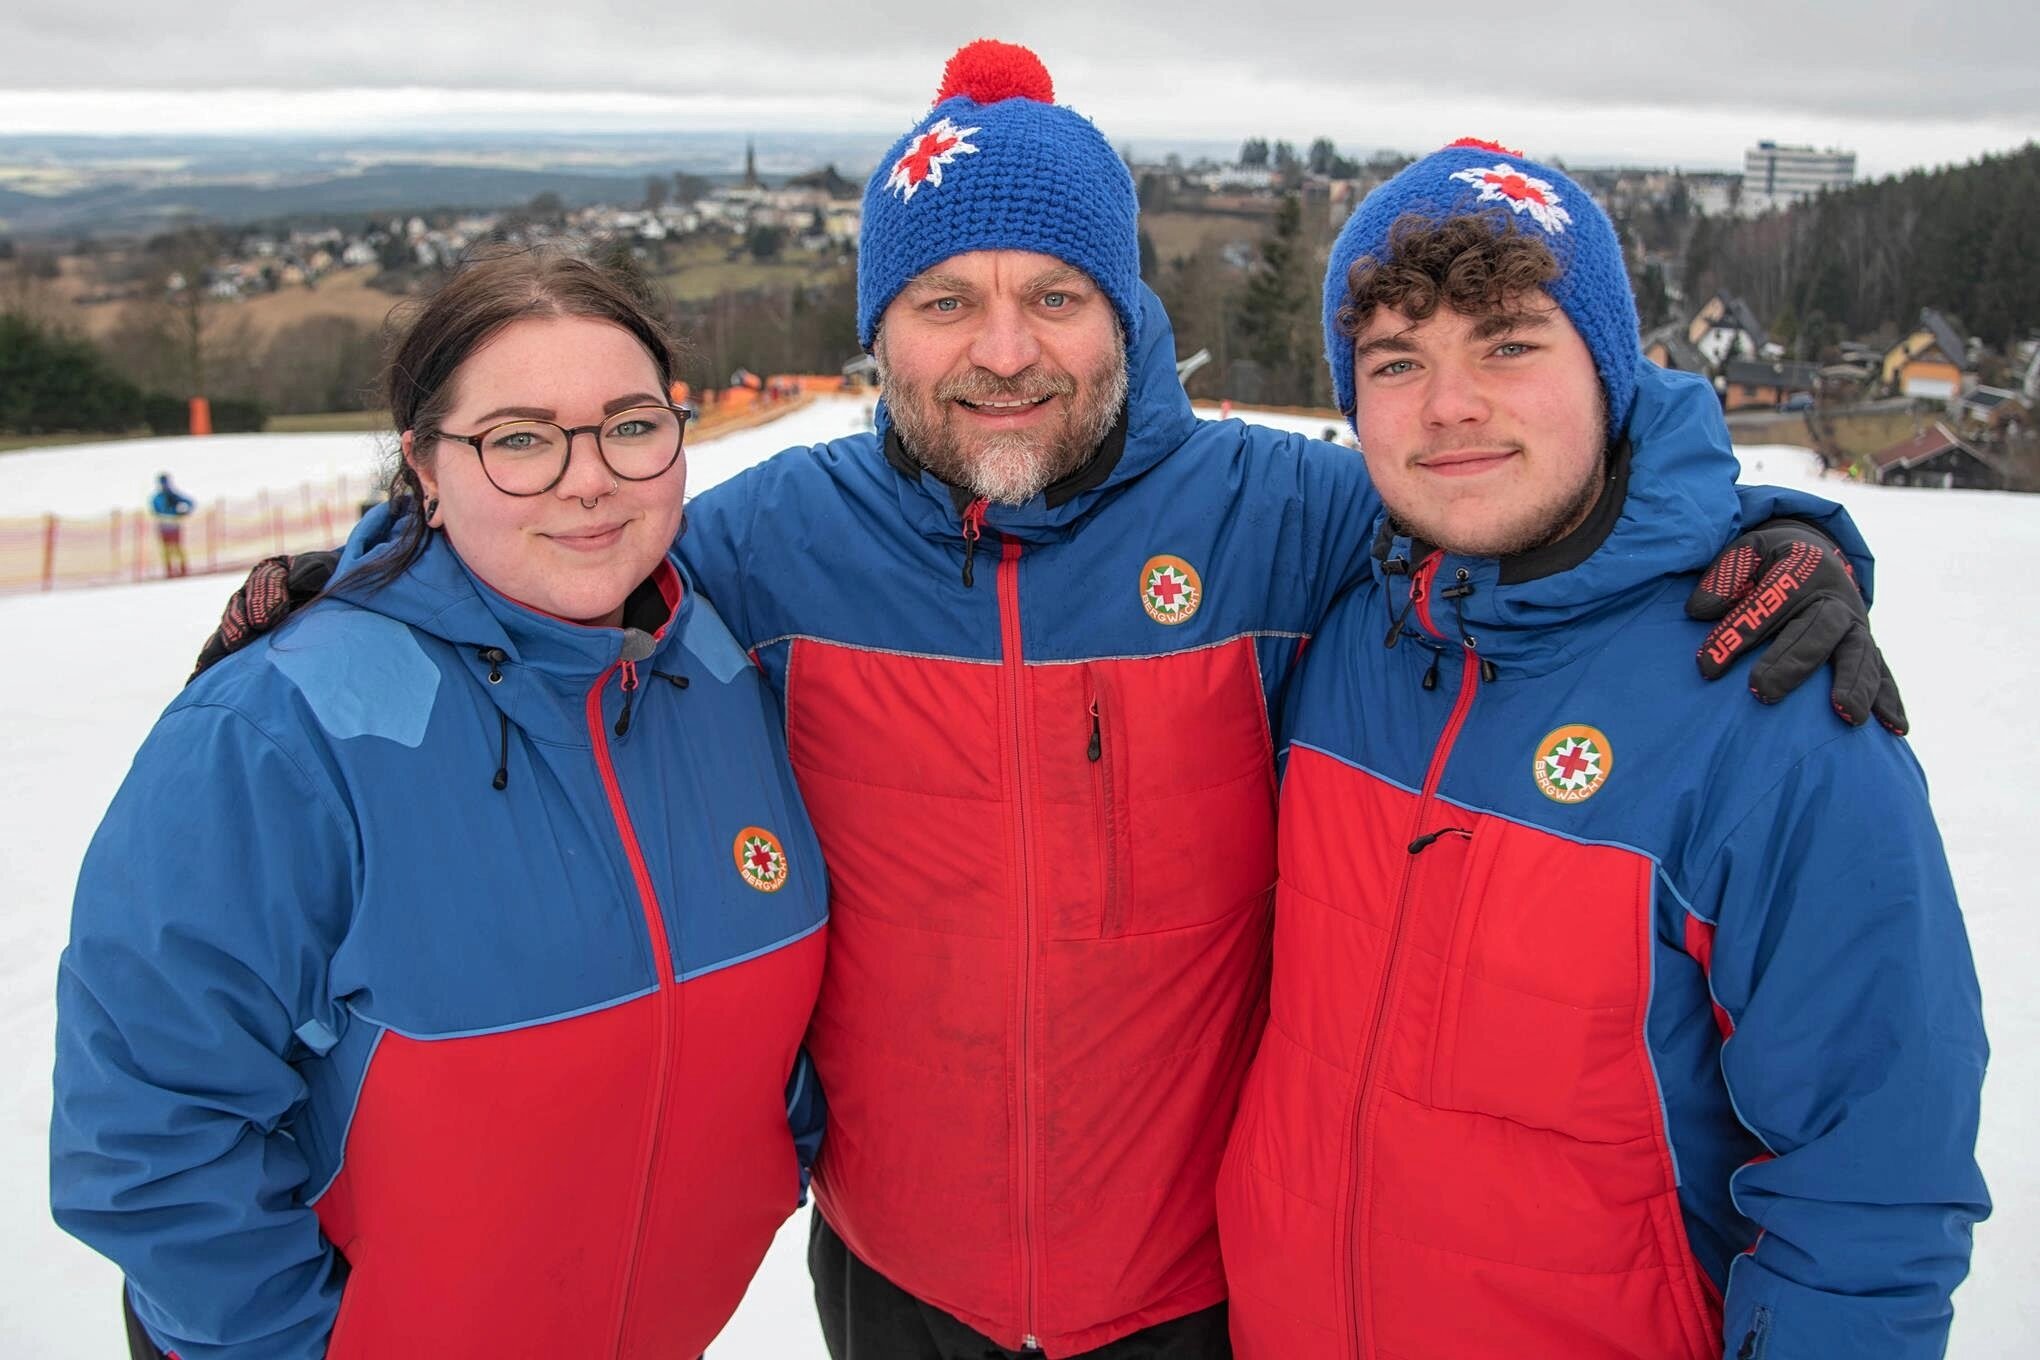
(1560, 555)
(1576, 547)
(1089, 477)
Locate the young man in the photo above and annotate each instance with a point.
(1029, 635)
(1599, 1025)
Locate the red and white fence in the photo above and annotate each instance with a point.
(49, 551)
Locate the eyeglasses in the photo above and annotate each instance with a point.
(530, 457)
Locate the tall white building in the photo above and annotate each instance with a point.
(1777, 176)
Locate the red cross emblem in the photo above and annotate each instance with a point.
(1572, 763)
(761, 859)
(1523, 193)
(925, 156)
(1170, 589)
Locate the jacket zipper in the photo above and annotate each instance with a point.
(1391, 970)
(1099, 753)
(973, 530)
(662, 963)
(1016, 678)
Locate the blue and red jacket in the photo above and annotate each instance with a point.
(1036, 745)
(1610, 1018)
(436, 985)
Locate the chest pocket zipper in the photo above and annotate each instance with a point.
(1102, 753)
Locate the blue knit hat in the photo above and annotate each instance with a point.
(997, 164)
(1592, 287)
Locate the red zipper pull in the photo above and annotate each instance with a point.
(973, 529)
(629, 692)
(1420, 585)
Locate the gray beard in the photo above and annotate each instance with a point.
(1009, 469)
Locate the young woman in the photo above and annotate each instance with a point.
(437, 977)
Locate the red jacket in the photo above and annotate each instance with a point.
(1039, 764)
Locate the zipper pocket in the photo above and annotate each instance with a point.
(1101, 753)
(1757, 1339)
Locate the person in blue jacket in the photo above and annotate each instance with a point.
(170, 507)
(1607, 1019)
(437, 978)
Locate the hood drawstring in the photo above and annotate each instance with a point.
(502, 779)
(496, 656)
(1455, 593)
(1418, 584)
(973, 529)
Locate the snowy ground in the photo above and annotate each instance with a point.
(86, 672)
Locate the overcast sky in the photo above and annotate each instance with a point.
(1899, 82)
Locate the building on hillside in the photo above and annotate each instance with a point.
(1725, 328)
(1936, 456)
(1777, 176)
(1754, 382)
(1992, 408)
(1668, 347)
(1931, 361)
(1845, 382)
(1233, 179)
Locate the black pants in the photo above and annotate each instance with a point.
(867, 1317)
(139, 1345)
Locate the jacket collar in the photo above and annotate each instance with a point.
(545, 665)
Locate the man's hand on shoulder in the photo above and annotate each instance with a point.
(1786, 581)
(275, 586)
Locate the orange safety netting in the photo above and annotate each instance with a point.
(47, 551)
(125, 545)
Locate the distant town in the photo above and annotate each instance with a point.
(761, 269)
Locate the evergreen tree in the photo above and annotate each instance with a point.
(1274, 309)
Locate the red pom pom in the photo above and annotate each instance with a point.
(1479, 145)
(987, 71)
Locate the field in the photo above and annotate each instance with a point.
(696, 272)
(342, 293)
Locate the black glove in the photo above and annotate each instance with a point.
(1787, 579)
(275, 586)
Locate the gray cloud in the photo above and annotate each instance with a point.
(1210, 68)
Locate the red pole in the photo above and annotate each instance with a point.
(49, 552)
(139, 525)
(201, 416)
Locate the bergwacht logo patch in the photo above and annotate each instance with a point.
(761, 859)
(1170, 589)
(1572, 763)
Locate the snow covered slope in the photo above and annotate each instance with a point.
(86, 672)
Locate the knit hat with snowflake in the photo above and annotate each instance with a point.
(997, 164)
(1474, 177)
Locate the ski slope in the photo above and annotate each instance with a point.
(87, 671)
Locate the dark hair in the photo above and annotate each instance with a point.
(1477, 264)
(431, 337)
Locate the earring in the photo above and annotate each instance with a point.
(431, 508)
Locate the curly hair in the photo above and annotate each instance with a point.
(1477, 264)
